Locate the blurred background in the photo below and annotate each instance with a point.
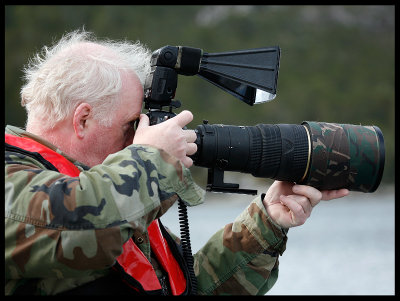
(337, 65)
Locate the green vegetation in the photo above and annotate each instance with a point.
(337, 62)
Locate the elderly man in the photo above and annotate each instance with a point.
(84, 189)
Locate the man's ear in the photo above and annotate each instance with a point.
(82, 114)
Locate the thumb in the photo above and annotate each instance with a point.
(182, 119)
(143, 121)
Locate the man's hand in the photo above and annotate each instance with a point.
(290, 205)
(169, 136)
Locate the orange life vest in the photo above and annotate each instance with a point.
(140, 274)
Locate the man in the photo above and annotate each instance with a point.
(84, 189)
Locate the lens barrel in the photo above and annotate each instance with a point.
(323, 155)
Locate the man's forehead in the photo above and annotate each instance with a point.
(132, 95)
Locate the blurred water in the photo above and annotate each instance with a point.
(345, 248)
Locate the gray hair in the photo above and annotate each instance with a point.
(71, 71)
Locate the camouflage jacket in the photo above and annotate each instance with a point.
(62, 232)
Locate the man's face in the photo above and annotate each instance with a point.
(102, 140)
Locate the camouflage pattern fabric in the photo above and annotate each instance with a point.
(62, 232)
(242, 257)
(344, 156)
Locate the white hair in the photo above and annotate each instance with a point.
(80, 68)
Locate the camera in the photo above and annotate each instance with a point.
(319, 154)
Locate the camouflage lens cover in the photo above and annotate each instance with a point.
(345, 156)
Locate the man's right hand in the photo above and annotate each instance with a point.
(169, 136)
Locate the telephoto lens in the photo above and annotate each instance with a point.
(319, 154)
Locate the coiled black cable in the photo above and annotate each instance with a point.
(185, 243)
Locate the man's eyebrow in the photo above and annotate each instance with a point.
(131, 122)
(133, 118)
(136, 117)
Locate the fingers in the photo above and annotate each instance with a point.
(290, 205)
(143, 121)
(182, 119)
(190, 135)
(301, 203)
(187, 162)
(299, 206)
(313, 194)
(169, 136)
(305, 198)
(334, 194)
(316, 196)
(191, 149)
